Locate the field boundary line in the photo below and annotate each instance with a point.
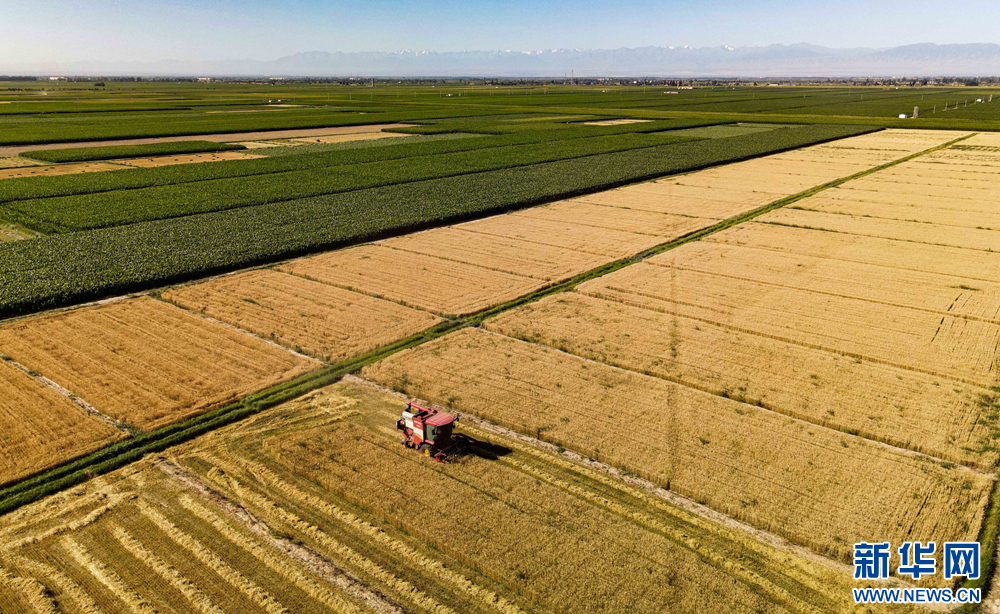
(899, 449)
(124, 427)
(812, 346)
(774, 284)
(858, 234)
(157, 296)
(838, 259)
(109, 458)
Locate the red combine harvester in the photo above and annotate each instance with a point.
(430, 430)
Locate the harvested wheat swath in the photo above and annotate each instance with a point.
(199, 601)
(945, 294)
(876, 401)
(437, 285)
(917, 232)
(820, 487)
(64, 525)
(146, 362)
(21, 594)
(108, 577)
(40, 428)
(927, 342)
(213, 561)
(324, 321)
(498, 253)
(279, 516)
(561, 233)
(979, 214)
(71, 591)
(371, 533)
(276, 562)
(664, 225)
(550, 548)
(868, 250)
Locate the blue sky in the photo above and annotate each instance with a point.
(149, 30)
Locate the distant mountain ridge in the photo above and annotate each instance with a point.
(798, 60)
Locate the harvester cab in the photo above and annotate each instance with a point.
(431, 431)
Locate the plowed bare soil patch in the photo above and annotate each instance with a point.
(615, 122)
(40, 428)
(435, 284)
(145, 362)
(218, 156)
(324, 321)
(347, 138)
(58, 169)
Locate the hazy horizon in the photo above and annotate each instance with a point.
(64, 31)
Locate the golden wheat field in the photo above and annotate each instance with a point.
(952, 295)
(145, 362)
(981, 239)
(301, 509)
(668, 196)
(900, 407)
(565, 233)
(905, 256)
(956, 213)
(40, 428)
(732, 189)
(426, 282)
(323, 321)
(818, 488)
(665, 225)
(946, 346)
(497, 253)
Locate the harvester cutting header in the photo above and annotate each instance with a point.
(431, 431)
